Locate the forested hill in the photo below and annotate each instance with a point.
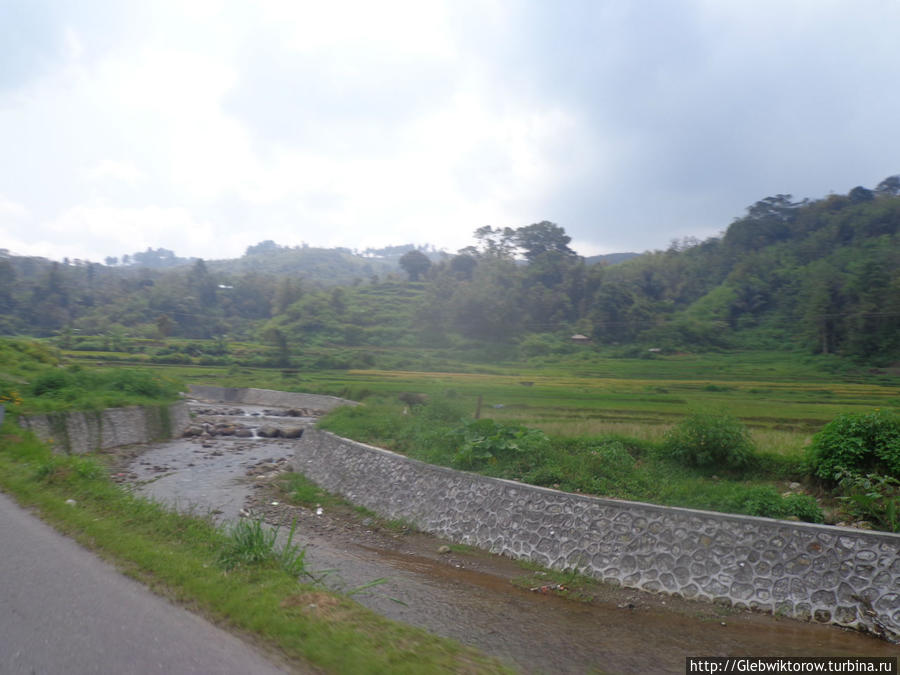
(822, 275)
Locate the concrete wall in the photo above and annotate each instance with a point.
(813, 572)
(280, 399)
(87, 431)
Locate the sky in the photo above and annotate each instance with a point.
(206, 126)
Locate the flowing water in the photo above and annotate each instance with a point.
(466, 595)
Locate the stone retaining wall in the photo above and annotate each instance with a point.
(280, 399)
(813, 572)
(87, 431)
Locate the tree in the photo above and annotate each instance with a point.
(859, 194)
(263, 248)
(287, 293)
(463, 265)
(890, 186)
(415, 264)
(493, 242)
(275, 336)
(544, 237)
(201, 283)
(164, 325)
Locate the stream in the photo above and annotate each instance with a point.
(462, 594)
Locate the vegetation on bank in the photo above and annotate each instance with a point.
(33, 379)
(238, 577)
(579, 422)
(441, 431)
(707, 461)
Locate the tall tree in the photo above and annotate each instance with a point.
(544, 237)
(415, 264)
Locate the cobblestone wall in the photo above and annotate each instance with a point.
(281, 399)
(813, 572)
(80, 432)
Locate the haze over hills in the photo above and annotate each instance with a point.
(819, 274)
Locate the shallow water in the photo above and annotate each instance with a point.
(469, 597)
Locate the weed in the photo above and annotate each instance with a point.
(872, 497)
(857, 443)
(485, 441)
(250, 542)
(710, 440)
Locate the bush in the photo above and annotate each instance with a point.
(764, 501)
(859, 443)
(873, 498)
(485, 441)
(711, 441)
(805, 508)
(51, 383)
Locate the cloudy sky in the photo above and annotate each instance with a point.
(204, 126)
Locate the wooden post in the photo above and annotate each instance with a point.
(478, 408)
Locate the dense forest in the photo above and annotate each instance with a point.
(817, 274)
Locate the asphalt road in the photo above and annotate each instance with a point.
(64, 611)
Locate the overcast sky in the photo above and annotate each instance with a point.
(207, 126)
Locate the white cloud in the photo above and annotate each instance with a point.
(210, 126)
(11, 211)
(96, 230)
(110, 170)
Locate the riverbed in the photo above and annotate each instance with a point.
(460, 593)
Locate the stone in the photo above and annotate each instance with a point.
(822, 615)
(845, 615)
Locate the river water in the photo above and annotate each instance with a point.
(465, 595)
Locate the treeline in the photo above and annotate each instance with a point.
(821, 274)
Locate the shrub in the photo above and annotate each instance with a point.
(805, 508)
(485, 441)
(710, 440)
(872, 497)
(858, 443)
(51, 383)
(444, 409)
(764, 501)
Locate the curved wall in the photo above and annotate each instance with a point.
(281, 399)
(814, 572)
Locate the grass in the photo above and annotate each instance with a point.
(33, 379)
(604, 465)
(193, 562)
(567, 583)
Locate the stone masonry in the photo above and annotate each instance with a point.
(812, 572)
(86, 431)
(281, 399)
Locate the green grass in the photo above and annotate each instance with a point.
(181, 557)
(585, 399)
(608, 465)
(34, 379)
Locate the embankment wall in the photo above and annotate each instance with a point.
(280, 399)
(86, 431)
(813, 572)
